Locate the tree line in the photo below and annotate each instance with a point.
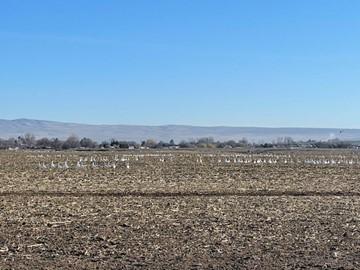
(29, 141)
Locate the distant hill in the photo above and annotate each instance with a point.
(40, 128)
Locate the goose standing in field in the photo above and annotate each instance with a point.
(93, 164)
(42, 166)
(79, 165)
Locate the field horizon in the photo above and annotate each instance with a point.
(100, 132)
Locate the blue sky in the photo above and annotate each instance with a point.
(237, 63)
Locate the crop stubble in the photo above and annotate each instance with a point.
(178, 214)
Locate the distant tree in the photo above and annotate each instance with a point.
(285, 142)
(30, 140)
(71, 142)
(27, 141)
(133, 143)
(9, 143)
(207, 142)
(267, 145)
(21, 141)
(124, 145)
(114, 143)
(104, 144)
(220, 145)
(231, 143)
(44, 143)
(150, 143)
(87, 143)
(171, 143)
(162, 144)
(56, 144)
(185, 144)
(243, 141)
(289, 141)
(12, 142)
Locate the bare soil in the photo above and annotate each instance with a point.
(178, 213)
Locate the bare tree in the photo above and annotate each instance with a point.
(43, 143)
(71, 142)
(150, 143)
(88, 143)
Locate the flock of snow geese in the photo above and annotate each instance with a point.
(85, 162)
(127, 161)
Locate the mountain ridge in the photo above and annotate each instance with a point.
(100, 132)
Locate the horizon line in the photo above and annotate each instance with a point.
(179, 125)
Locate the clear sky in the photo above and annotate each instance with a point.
(238, 63)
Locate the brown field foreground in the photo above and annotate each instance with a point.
(180, 210)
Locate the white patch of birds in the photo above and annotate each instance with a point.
(113, 162)
(260, 159)
(98, 161)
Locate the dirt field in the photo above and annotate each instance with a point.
(180, 210)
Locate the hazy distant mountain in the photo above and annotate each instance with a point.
(14, 128)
